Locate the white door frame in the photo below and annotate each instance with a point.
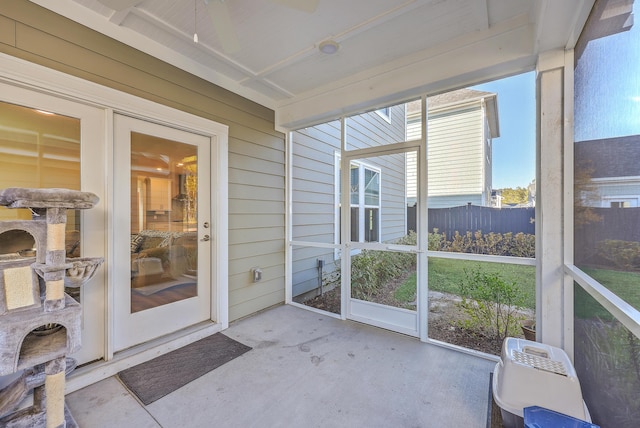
(404, 321)
(18, 72)
(134, 328)
(92, 171)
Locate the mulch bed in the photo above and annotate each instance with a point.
(445, 316)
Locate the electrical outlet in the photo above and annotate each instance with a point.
(257, 274)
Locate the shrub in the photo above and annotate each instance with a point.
(609, 370)
(371, 270)
(492, 304)
(436, 240)
(364, 281)
(623, 254)
(497, 244)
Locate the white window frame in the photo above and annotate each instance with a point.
(362, 205)
(385, 113)
(362, 166)
(631, 199)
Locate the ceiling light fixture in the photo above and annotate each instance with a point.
(329, 47)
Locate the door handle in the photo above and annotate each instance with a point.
(206, 238)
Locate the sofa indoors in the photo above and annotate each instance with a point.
(158, 256)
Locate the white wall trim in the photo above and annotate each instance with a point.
(288, 219)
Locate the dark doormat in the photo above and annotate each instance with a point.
(156, 378)
(494, 416)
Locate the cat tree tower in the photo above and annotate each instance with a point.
(39, 322)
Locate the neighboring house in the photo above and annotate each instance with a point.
(614, 181)
(496, 198)
(460, 128)
(532, 193)
(377, 190)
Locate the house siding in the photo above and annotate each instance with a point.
(487, 155)
(314, 187)
(371, 130)
(414, 132)
(455, 157)
(313, 197)
(613, 171)
(459, 154)
(256, 150)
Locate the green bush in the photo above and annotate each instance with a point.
(436, 240)
(497, 244)
(492, 304)
(622, 254)
(371, 270)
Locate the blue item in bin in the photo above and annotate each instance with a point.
(539, 417)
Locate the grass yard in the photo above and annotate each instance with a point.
(445, 275)
(625, 285)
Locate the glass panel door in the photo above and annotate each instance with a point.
(56, 143)
(164, 204)
(167, 285)
(383, 258)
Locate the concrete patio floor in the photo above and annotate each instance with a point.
(309, 370)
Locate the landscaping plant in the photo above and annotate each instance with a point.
(493, 304)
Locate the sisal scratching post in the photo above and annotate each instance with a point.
(55, 290)
(54, 392)
(55, 237)
(56, 226)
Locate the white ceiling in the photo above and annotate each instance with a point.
(389, 49)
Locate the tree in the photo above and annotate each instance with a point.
(585, 194)
(519, 195)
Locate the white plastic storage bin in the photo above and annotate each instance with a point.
(534, 374)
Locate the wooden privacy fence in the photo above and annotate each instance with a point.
(473, 218)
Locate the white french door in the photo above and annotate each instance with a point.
(162, 230)
(48, 141)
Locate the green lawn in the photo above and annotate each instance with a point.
(625, 285)
(445, 275)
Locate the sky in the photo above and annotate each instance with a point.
(607, 72)
(514, 152)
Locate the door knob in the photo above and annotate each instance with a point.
(206, 238)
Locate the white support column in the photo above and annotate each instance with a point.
(550, 199)
(568, 201)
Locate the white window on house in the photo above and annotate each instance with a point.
(385, 113)
(367, 207)
(364, 201)
(622, 203)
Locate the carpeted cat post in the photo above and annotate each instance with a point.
(39, 322)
